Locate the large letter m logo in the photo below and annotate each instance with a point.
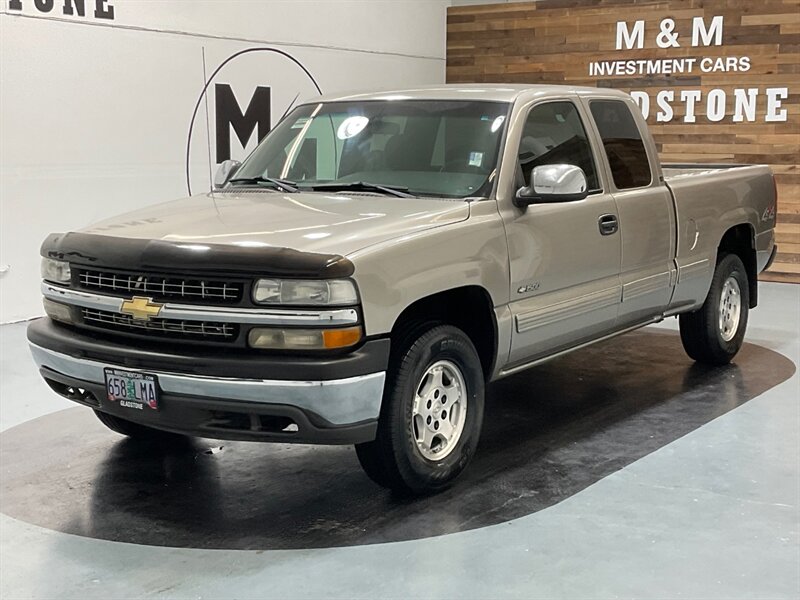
(229, 114)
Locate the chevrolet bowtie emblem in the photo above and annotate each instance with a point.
(141, 308)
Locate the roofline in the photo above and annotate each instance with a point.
(497, 92)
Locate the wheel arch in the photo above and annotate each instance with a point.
(469, 308)
(740, 240)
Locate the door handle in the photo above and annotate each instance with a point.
(608, 224)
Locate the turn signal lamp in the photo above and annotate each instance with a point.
(303, 339)
(57, 311)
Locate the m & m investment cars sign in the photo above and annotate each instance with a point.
(716, 104)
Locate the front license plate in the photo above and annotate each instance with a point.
(132, 389)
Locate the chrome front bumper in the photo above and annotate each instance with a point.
(339, 401)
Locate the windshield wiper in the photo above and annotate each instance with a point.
(282, 184)
(393, 190)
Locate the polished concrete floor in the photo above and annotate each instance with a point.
(620, 471)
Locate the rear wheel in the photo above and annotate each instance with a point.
(431, 415)
(135, 430)
(714, 333)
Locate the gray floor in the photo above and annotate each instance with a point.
(714, 514)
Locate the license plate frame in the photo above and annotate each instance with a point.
(133, 390)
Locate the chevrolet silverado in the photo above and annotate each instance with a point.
(380, 257)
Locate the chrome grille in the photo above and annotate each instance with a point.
(163, 287)
(171, 328)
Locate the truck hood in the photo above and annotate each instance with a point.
(309, 222)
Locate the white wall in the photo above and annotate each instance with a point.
(94, 113)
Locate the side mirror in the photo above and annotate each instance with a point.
(553, 183)
(225, 171)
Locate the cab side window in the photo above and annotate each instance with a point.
(554, 134)
(622, 142)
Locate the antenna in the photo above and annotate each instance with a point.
(288, 108)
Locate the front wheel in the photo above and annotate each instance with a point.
(431, 416)
(714, 333)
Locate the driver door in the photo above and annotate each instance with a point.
(565, 286)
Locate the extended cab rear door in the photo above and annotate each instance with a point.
(644, 204)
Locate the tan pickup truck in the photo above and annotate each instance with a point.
(381, 256)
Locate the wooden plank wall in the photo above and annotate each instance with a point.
(553, 41)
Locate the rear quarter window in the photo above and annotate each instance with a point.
(622, 142)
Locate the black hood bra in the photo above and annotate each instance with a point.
(160, 255)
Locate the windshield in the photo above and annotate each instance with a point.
(426, 147)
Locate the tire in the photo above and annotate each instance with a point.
(419, 447)
(714, 333)
(134, 430)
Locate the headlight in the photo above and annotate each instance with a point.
(303, 339)
(55, 270)
(330, 292)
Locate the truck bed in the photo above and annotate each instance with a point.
(708, 198)
(678, 170)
